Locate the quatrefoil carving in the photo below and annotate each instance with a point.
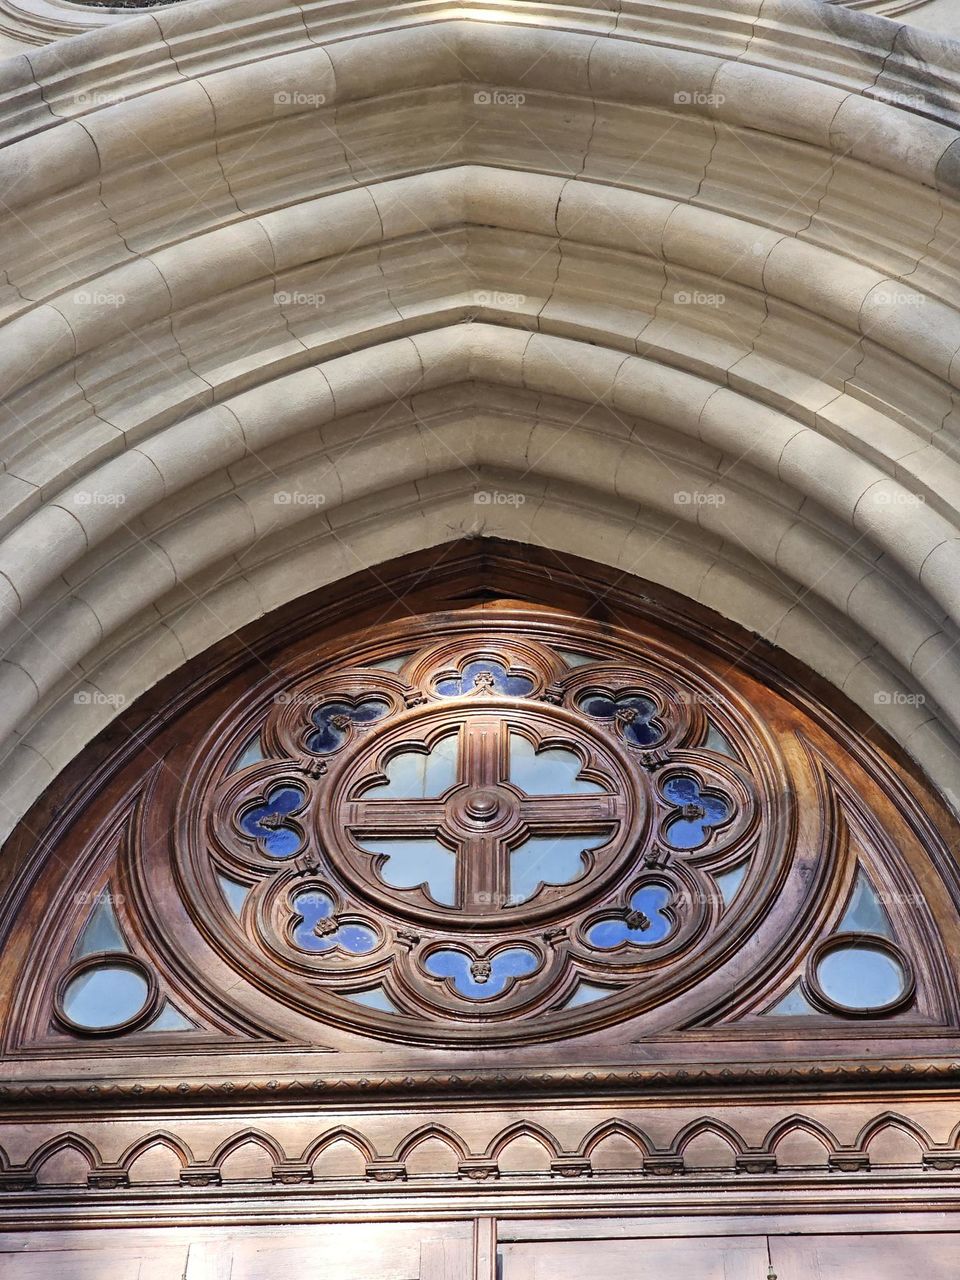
(645, 921)
(636, 717)
(317, 926)
(698, 810)
(481, 977)
(334, 720)
(484, 676)
(270, 821)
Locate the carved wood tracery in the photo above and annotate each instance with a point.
(245, 979)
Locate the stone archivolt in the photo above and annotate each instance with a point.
(287, 291)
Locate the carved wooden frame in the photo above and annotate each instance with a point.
(224, 685)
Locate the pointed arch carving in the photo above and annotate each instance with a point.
(615, 1128)
(65, 1142)
(245, 1137)
(161, 1138)
(523, 1129)
(703, 1126)
(428, 1132)
(343, 1133)
(800, 1124)
(891, 1120)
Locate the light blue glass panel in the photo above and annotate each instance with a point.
(411, 863)
(389, 664)
(548, 860)
(170, 1019)
(105, 996)
(860, 977)
(719, 742)
(864, 913)
(415, 775)
(102, 930)
(547, 773)
(573, 659)
(252, 753)
(793, 1004)
(235, 893)
(467, 977)
(729, 882)
(587, 993)
(373, 998)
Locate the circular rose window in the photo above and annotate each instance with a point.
(469, 828)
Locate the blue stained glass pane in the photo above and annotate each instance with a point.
(411, 863)
(101, 932)
(548, 860)
(481, 979)
(864, 913)
(607, 933)
(315, 906)
(554, 772)
(636, 714)
(644, 925)
(265, 822)
(485, 674)
(357, 938)
(690, 831)
(105, 996)
(332, 722)
(682, 790)
(858, 976)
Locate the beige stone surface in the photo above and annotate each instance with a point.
(679, 275)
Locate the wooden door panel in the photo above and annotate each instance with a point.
(360, 1251)
(743, 1258)
(932, 1255)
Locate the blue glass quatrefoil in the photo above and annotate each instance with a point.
(635, 714)
(481, 979)
(333, 720)
(320, 929)
(484, 675)
(270, 821)
(698, 811)
(642, 925)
